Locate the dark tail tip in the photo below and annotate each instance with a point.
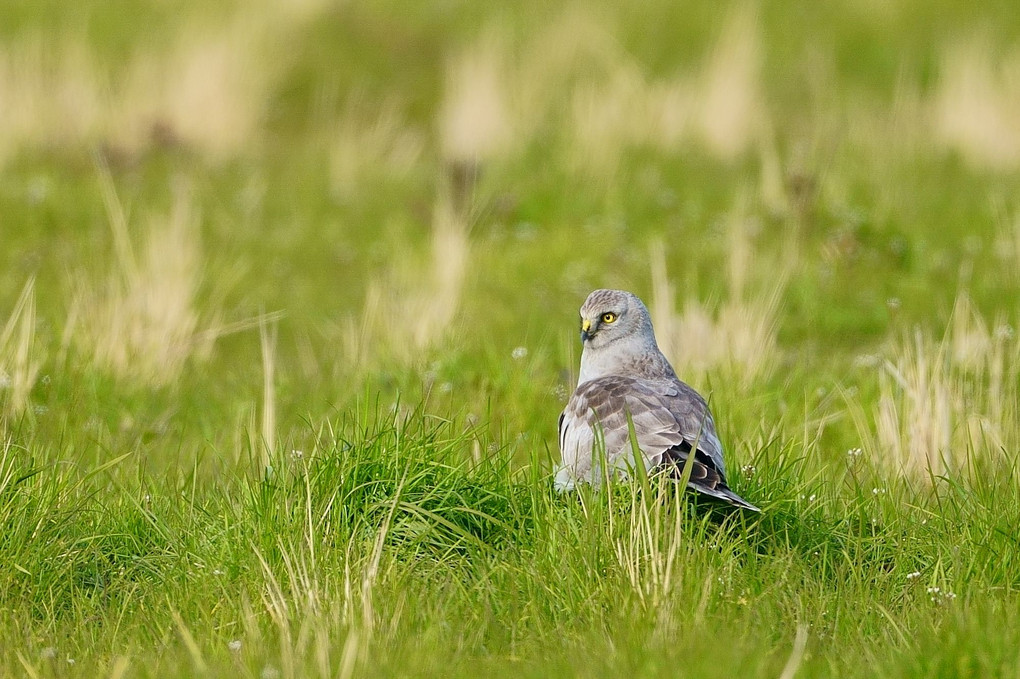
(738, 501)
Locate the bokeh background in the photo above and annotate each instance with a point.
(404, 195)
(233, 233)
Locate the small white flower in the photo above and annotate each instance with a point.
(217, 572)
(297, 454)
(270, 672)
(867, 361)
(934, 590)
(519, 353)
(854, 452)
(878, 491)
(525, 231)
(235, 645)
(748, 470)
(37, 190)
(915, 574)
(70, 661)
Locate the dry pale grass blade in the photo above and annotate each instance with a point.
(897, 132)
(208, 91)
(48, 97)
(772, 190)
(142, 323)
(267, 342)
(611, 115)
(1007, 242)
(450, 258)
(616, 106)
(475, 122)
(413, 306)
(941, 401)
(796, 654)
(503, 92)
(976, 108)
(730, 106)
(914, 415)
(190, 644)
(372, 142)
(663, 311)
(308, 614)
(736, 337)
(649, 551)
(576, 39)
(19, 357)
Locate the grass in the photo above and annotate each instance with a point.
(288, 305)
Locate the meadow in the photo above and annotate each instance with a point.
(288, 312)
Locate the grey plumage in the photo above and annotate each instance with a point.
(626, 381)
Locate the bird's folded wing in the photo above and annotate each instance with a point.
(668, 417)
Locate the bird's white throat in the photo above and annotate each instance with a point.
(592, 366)
(638, 355)
(611, 359)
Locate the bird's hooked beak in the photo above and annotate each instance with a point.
(586, 331)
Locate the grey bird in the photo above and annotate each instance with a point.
(625, 385)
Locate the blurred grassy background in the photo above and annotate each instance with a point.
(226, 224)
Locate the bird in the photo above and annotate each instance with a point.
(627, 385)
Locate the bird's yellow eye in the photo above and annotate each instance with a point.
(609, 317)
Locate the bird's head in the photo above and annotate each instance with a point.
(608, 316)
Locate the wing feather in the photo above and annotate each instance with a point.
(670, 421)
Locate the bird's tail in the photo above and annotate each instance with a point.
(726, 495)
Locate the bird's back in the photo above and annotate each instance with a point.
(668, 418)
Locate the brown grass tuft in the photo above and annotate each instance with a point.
(19, 357)
(49, 97)
(475, 122)
(412, 307)
(942, 401)
(208, 91)
(730, 106)
(736, 338)
(977, 105)
(142, 324)
(267, 342)
(372, 143)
